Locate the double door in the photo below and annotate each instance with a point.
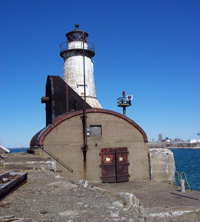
(114, 165)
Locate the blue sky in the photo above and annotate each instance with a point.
(148, 48)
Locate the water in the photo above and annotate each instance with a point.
(17, 150)
(188, 161)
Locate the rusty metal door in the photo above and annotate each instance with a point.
(122, 164)
(114, 165)
(108, 169)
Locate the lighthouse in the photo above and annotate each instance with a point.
(77, 53)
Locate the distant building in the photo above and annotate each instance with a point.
(194, 141)
(159, 137)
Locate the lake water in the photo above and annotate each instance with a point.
(17, 150)
(188, 161)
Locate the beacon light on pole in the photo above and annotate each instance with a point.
(124, 102)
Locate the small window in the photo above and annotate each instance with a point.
(95, 130)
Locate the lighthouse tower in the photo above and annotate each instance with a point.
(77, 53)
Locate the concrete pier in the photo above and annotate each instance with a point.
(25, 161)
(51, 196)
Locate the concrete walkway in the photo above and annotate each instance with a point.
(160, 200)
(155, 194)
(151, 194)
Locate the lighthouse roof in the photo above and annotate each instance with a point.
(77, 30)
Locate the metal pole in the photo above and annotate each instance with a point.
(84, 117)
(67, 99)
(182, 185)
(124, 110)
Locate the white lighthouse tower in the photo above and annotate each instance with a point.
(77, 53)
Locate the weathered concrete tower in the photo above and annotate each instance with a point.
(77, 53)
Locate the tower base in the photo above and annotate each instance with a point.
(93, 102)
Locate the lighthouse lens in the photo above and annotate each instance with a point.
(77, 37)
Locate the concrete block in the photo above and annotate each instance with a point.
(162, 164)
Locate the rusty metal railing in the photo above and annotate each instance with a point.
(57, 159)
(10, 181)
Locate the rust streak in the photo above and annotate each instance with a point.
(85, 170)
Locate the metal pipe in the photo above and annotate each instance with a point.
(45, 99)
(84, 117)
(124, 110)
(67, 99)
(187, 196)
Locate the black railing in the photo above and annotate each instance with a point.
(77, 45)
(57, 159)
